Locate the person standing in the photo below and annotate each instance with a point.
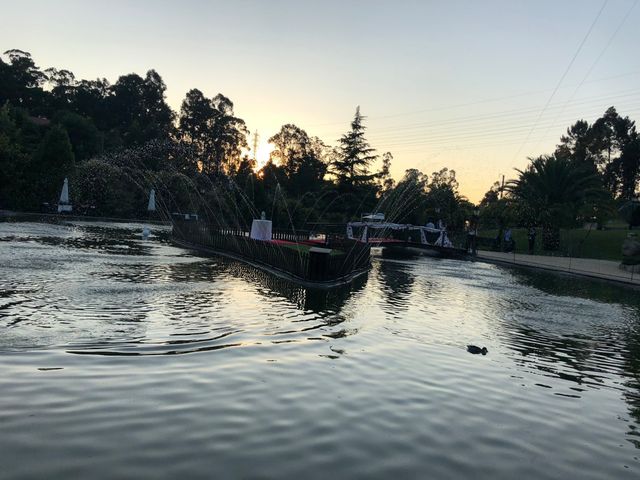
(532, 239)
(509, 244)
(473, 240)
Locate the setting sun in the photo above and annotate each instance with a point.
(262, 153)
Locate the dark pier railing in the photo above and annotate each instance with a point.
(314, 265)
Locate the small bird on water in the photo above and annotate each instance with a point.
(476, 350)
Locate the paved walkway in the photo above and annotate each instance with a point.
(588, 267)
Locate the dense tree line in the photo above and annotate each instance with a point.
(592, 176)
(116, 141)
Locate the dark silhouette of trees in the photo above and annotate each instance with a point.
(303, 159)
(138, 109)
(444, 201)
(229, 134)
(216, 136)
(612, 146)
(557, 192)
(385, 181)
(85, 138)
(196, 115)
(20, 82)
(116, 140)
(406, 202)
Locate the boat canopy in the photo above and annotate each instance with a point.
(374, 216)
(393, 226)
(442, 240)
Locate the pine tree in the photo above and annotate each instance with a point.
(356, 155)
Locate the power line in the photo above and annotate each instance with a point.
(503, 115)
(595, 20)
(471, 103)
(579, 110)
(602, 52)
(497, 131)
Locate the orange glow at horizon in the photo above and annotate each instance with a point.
(262, 153)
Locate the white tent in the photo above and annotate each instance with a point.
(64, 205)
(368, 226)
(152, 201)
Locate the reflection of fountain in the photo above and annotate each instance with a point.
(318, 300)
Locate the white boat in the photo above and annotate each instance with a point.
(420, 240)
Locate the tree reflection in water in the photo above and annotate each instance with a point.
(586, 358)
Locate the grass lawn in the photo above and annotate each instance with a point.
(600, 244)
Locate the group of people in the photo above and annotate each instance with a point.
(509, 244)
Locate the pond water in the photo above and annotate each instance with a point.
(124, 358)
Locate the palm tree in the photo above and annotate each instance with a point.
(555, 192)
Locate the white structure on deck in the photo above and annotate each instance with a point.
(261, 229)
(152, 201)
(376, 217)
(370, 229)
(63, 204)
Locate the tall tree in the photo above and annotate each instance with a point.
(611, 145)
(576, 144)
(196, 114)
(351, 167)
(139, 110)
(229, 134)
(385, 181)
(443, 198)
(21, 82)
(90, 98)
(62, 83)
(613, 139)
(302, 158)
(211, 129)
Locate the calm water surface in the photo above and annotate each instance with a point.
(123, 358)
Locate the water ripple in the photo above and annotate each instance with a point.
(124, 358)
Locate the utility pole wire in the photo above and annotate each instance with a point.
(555, 90)
(593, 65)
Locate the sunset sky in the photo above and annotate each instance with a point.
(473, 86)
